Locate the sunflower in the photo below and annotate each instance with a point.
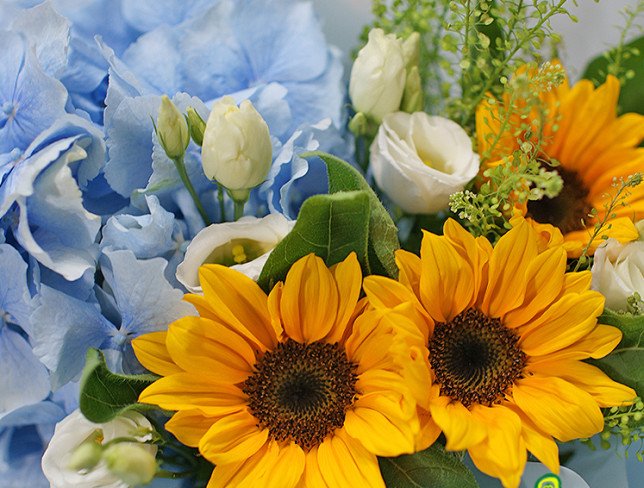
(502, 333)
(593, 146)
(297, 388)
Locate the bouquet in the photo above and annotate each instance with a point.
(225, 260)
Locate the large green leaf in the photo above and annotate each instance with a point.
(331, 226)
(631, 97)
(105, 395)
(383, 234)
(431, 468)
(626, 363)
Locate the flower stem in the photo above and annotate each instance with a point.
(239, 208)
(220, 199)
(181, 169)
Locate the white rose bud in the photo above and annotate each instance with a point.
(172, 129)
(618, 271)
(72, 433)
(378, 76)
(130, 462)
(237, 149)
(419, 160)
(243, 245)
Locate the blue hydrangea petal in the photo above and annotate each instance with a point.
(14, 293)
(146, 15)
(63, 328)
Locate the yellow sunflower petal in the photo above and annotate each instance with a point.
(232, 438)
(563, 323)
(506, 284)
(205, 347)
(312, 477)
(343, 461)
(577, 282)
(596, 344)
(592, 380)
(558, 408)
(461, 428)
(429, 430)
(622, 228)
(545, 278)
(189, 426)
(288, 469)
(383, 425)
(409, 265)
(151, 351)
(187, 391)
(446, 280)
(502, 454)
(238, 302)
(348, 278)
(309, 301)
(249, 472)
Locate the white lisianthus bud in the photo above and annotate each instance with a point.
(419, 160)
(172, 129)
(237, 149)
(378, 76)
(75, 431)
(618, 270)
(130, 462)
(243, 245)
(196, 126)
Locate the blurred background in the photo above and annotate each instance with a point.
(598, 27)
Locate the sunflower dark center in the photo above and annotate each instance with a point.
(567, 210)
(300, 392)
(475, 358)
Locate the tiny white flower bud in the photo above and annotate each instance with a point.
(131, 462)
(172, 129)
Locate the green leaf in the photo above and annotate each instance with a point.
(383, 234)
(105, 395)
(631, 96)
(331, 226)
(626, 363)
(431, 468)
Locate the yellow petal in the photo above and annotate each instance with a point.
(288, 469)
(312, 477)
(592, 380)
(348, 279)
(563, 323)
(204, 347)
(577, 282)
(544, 279)
(409, 266)
(343, 461)
(596, 344)
(232, 438)
(502, 454)
(239, 303)
(253, 471)
(506, 284)
(558, 408)
(461, 428)
(446, 281)
(187, 391)
(151, 351)
(309, 301)
(189, 426)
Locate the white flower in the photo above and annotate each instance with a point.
(618, 270)
(172, 129)
(236, 149)
(243, 245)
(378, 75)
(73, 431)
(419, 160)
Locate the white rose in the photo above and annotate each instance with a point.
(618, 271)
(73, 431)
(378, 75)
(237, 150)
(243, 245)
(419, 160)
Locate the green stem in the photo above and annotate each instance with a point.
(239, 208)
(164, 473)
(220, 199)
(181, 169)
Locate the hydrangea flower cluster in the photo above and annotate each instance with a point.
(94, 219)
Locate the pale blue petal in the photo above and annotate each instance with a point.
(146, 15)
(63, 328)
(18, 363)
(14, 294)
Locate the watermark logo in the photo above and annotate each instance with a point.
(548, 481)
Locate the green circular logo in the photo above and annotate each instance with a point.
(548, 481)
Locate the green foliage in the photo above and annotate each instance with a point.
(433, 467)
(469, 46)
(105, 395)
(349, 219)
